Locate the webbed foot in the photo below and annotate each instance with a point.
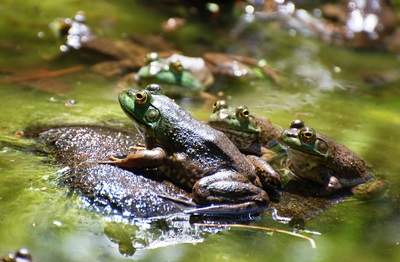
(373, 188)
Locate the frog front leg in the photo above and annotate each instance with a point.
(269, 178)
(146, 158)
(227, 191)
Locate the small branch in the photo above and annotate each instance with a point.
(43, 75)
(312, 242)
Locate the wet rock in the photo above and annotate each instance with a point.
(113, 190)
(107, 188)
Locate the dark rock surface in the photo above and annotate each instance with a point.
(114, 190)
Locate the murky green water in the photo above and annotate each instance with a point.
(36, 213)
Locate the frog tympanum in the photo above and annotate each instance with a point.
(318, 158)
(194, 155)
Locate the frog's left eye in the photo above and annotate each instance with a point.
(176, 66)
(152, 115)
(150, 57)
(242, 112)
(307, 135)
(141, 97)
(218, 105)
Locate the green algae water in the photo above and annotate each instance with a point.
(325, 86)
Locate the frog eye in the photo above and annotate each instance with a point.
(218, 105)
(307, 135)
(140, 97)
(242, 112)
(150, 57)
(297, 124)
(152, 115)
(176, 66)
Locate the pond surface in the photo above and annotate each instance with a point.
(323, 85)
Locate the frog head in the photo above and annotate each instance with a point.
(232, 120)
(304, 139)
(171, 74)
(139, 106)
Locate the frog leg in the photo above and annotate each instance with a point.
(373, 188)
(148, 158)
(227, 191)
(270, 179)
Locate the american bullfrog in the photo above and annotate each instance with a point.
(179, 75)
(183, 76)
(318, 158)
(250, 133)
(194, 155)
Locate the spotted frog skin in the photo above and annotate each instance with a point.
(318, 158)
(194, 155)
(250, 133)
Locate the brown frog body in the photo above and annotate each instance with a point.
(320, 159)
(194, 155)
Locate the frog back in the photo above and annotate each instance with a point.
(347, 166)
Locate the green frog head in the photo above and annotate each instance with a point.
(250, 133)
(142, 108)
(305, 139)
(235, 120)
(318, 158)
(176, 79)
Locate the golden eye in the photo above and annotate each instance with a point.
(176, 66)
(296, 124)
(242, 112)
(140, 97)
(218, 105)
(150, 57)
(307, 135)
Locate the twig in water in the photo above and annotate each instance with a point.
(312, 242)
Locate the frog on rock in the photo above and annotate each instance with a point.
(318, 158)
(194, 155)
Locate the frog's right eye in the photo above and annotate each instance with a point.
(242, 112)
(176, 66)
(308, 135)
(218, 105)
(296, 124)
(140, 97)
(150, 57)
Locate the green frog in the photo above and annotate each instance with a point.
(183, 76)
(180, 76)
(194, 155)
(250, 133)
(318, 158)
